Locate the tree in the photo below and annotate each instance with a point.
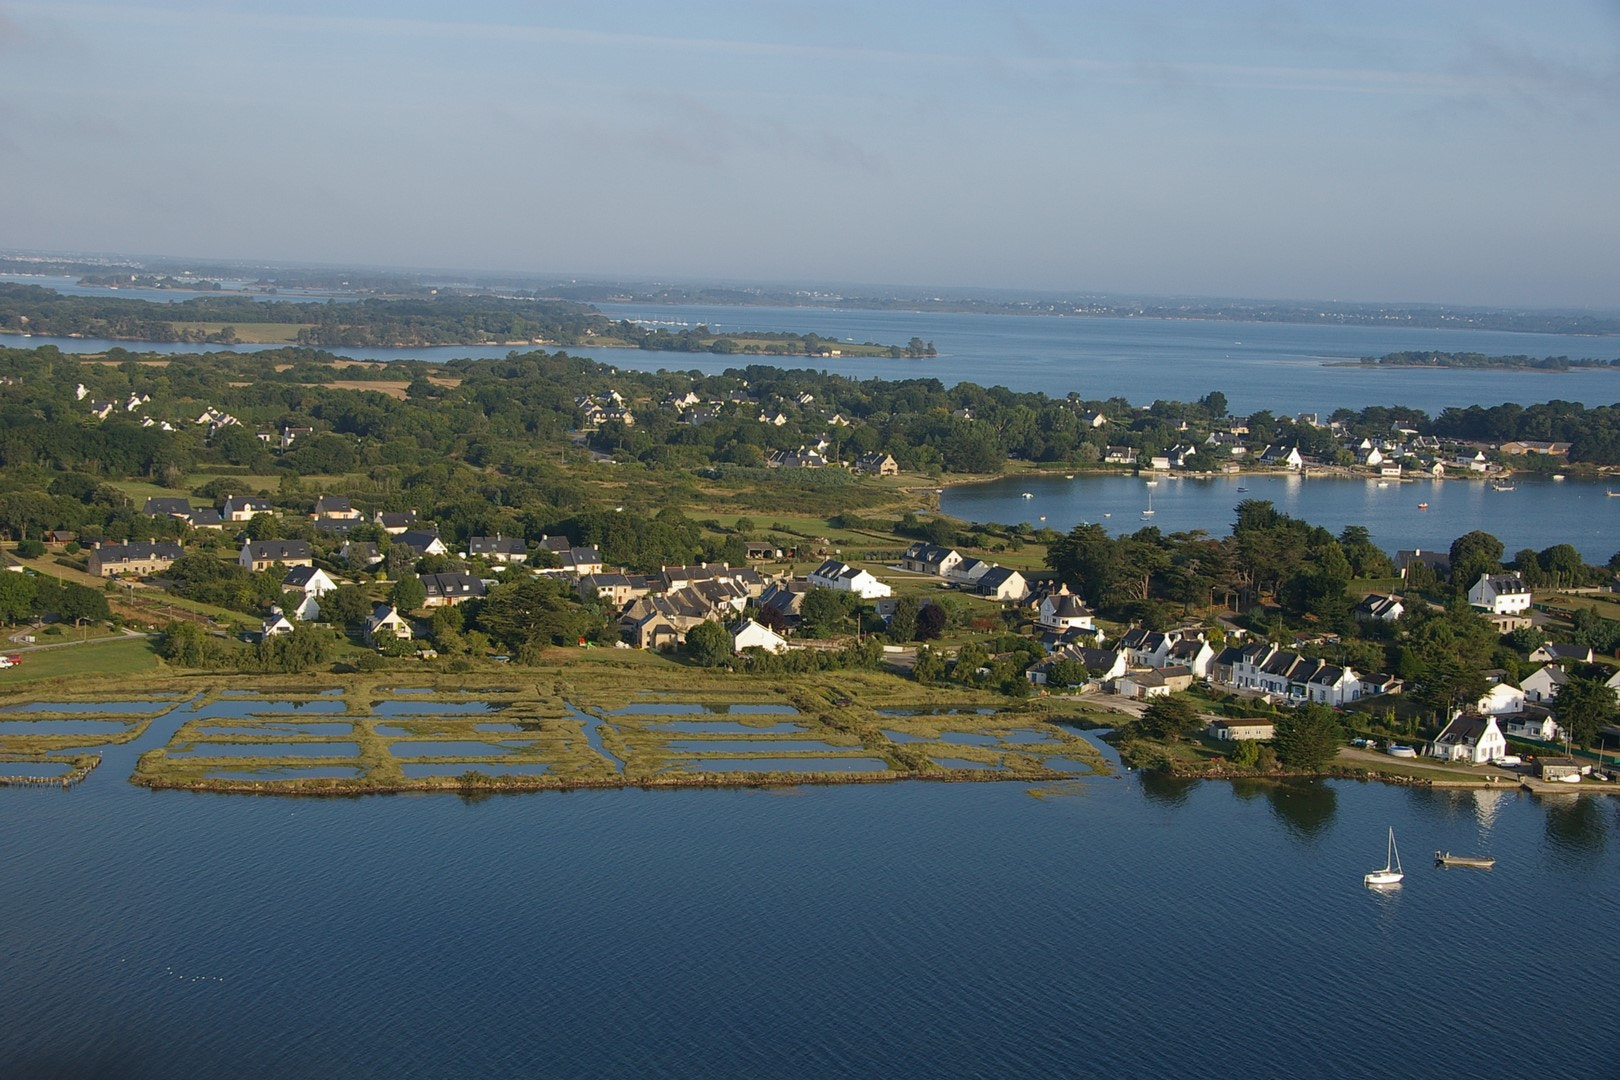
(1067, 672)
(1585, 706)
(535, 611)
(1172, 717)
(709, 644)
(822, 612)
(903, 623)
(17, 597)
(79, 603)
(930, 666)
(1473, 554)
(1308, 737)
(931, 622)
(408, 593)
(344, 605)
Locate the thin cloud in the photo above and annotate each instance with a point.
(1266, 78)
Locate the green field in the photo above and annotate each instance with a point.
(124, 656)
(261, 333)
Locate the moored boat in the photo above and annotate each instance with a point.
(1482, 862)
(1391, 873)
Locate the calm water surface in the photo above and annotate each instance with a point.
(1110, 927)
(1536, 514)
(1274, 366)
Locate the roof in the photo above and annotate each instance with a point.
(299, 576)
(997, 576)
(497, 545)
(452, 584)
(159, 506)
(275, 550)
(138, 552)
(1465, 728)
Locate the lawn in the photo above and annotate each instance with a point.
(125, 656)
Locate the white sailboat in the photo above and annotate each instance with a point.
(1391, 873)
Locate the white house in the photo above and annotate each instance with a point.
(921, 558)
(308, 580)
(275, 624)
(1063, 610)
(1474, 739)
(1500, 594)
(385, 619)
(749, 634)
(1562, 653)
(833, 574)
(1535, 725)
(1501, 700)
(1543, 683)
(1002, 583)
(1235, 730)
(1376, 607)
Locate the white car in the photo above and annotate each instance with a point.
(1506, 760)
(1401, 751)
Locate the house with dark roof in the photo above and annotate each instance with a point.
(921, 558)
(449, 589)
(1063, 610)
(1470, 738)
(421, 542)
(263, 554)
(335, 508)
(384, 620)
(834, 574)
(1500, 594)
(141, 559)
(168, 507)
(394, 522)
(1559, 652)
(1438, 561)
(1376, 607)
(877, 463)
(244, 508)
(498, 548)
(1002, 583)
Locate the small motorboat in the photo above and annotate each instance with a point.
(1423, 506)
(1479, 862)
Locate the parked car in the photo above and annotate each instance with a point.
(1401, 751)
(1506, 761)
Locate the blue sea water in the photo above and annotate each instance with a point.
(1283, 367)
(1536, 514)
(1111, 926)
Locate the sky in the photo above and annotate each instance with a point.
(1462, 152)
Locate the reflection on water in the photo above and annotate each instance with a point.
(1306, 807)
(1164, 789)
(1578, 825)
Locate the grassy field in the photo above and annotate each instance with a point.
(250, 333)
(94, 660)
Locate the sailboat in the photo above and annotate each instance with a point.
(1149, 511)
(1391, 873)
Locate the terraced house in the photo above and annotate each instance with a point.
(140, 559)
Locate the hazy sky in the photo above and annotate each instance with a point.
(1464, 152)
